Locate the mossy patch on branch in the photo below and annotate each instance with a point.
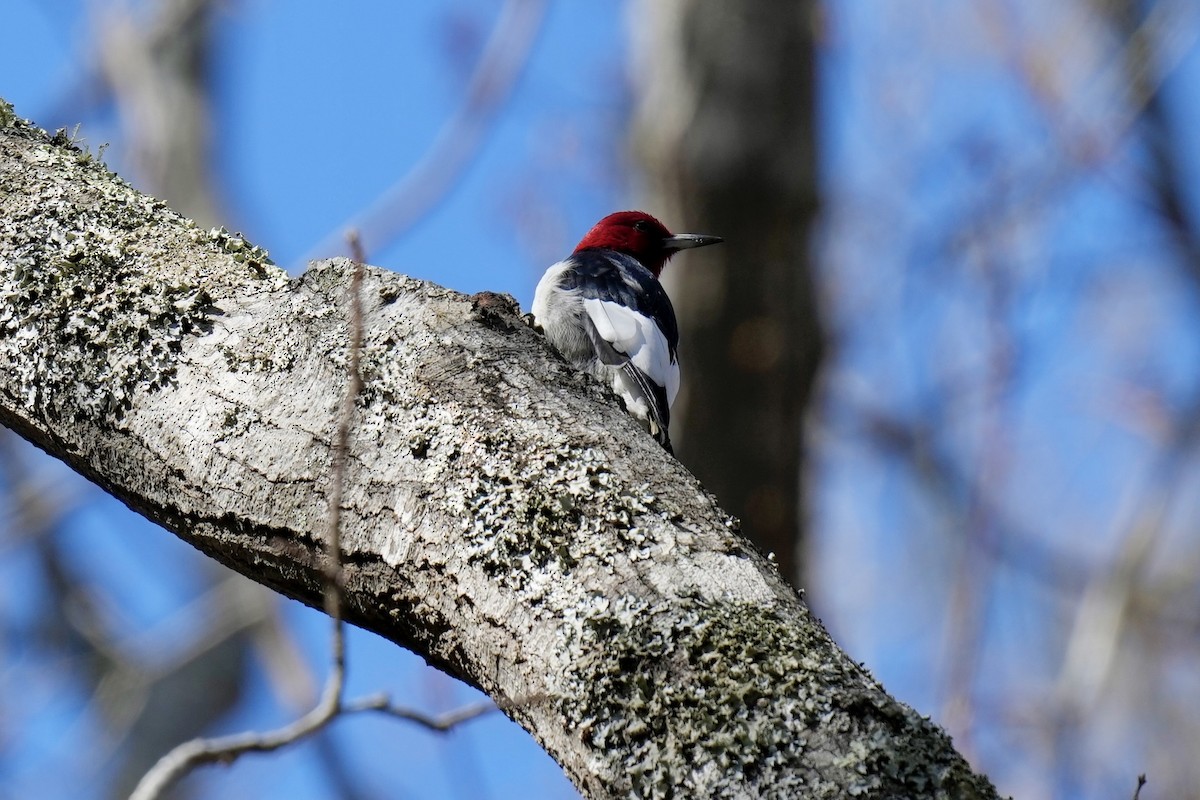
(679, 699)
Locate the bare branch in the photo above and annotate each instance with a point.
(354, 242)
(440, 723)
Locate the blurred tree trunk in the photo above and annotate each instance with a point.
(156, 68)
(726, 135)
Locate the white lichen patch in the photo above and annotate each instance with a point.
(82, 299)
(719, 576)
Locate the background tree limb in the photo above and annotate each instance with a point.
(729, 145)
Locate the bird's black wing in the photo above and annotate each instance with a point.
(627, 309)
(608, 275)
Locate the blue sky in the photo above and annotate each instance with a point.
(1011, 299)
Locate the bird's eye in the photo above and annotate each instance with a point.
(641, 225)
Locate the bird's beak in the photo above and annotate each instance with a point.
(686, 241)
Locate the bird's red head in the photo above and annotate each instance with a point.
(640, 235)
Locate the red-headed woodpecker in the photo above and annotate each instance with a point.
(603, 308)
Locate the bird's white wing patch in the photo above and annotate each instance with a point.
(618, 325)
(637, 337)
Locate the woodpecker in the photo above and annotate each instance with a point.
(603, 308)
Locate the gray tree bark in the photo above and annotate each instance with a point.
(502, 516)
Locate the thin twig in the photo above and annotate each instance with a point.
(441, 723)
(185, 757)
(1141, 782)
(354, 242)
(333, 535)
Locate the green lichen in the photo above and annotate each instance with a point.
(8, 117)
(70, 291)
(724, 698)
(235, 244)
(559, 501)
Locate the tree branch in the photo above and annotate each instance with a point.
(502, 516)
